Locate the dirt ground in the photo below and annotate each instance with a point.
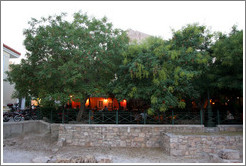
(40, 148)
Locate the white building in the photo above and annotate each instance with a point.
(8, 55)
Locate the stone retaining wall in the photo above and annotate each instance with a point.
(54, 129)
(133, 136)
(119, 135)
(230, 127)
(192, 145)
(12, 129)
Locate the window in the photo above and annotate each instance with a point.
(100, 104)
(110, 105)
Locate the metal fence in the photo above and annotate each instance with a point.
(135, 117)
(222, 118)
(57, 116)
(130, 117)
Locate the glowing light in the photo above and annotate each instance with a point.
(213, 103)
(105, 100)
(39, 100)
(71, 96)
(210, 100)
(87, 101)
(124, 100)
(34, 102)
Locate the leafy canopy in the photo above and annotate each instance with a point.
(162, 72)
(227, 69)
(65, 58)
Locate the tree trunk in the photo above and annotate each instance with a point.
(210, 122)
(201, 108)
(81, 110)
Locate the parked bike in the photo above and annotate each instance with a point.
(12, 113)
(15, 115)
(29, 114)
(6, 116)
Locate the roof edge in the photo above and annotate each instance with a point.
(11, 49)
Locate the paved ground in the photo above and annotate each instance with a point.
(25, 149)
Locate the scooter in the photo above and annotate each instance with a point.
(29, 114)
(12, 114)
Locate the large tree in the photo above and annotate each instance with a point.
(77, 58)
(226, 72)
(162, 72)
(192, 44)
(227, 69)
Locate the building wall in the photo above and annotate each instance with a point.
(5, 63)
(136, 35)
(101, 102)
(7, 88)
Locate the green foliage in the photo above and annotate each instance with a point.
(88, 57)
(150, 111)
(64, 58)
(181, 104)
(163, 108)
(133, 92)
(154, 99)
(164, 71)
(226, 72)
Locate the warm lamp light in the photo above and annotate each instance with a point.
(124, 100)
(105, 100)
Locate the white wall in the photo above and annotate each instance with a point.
(7, 88)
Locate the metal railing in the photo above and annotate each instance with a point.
(130, 117)
(140, 117)
(223, 118)
(57, 116)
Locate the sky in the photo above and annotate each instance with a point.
(153, 18)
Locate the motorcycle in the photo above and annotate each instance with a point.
(6, 116)
(12, 114)
(29, 114)
(15, 115)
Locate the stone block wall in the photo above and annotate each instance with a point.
(192, 145)
(14, 129)
(134, 136)
(230, 127)
(54, 129)
(119, 135)
(165, 143)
